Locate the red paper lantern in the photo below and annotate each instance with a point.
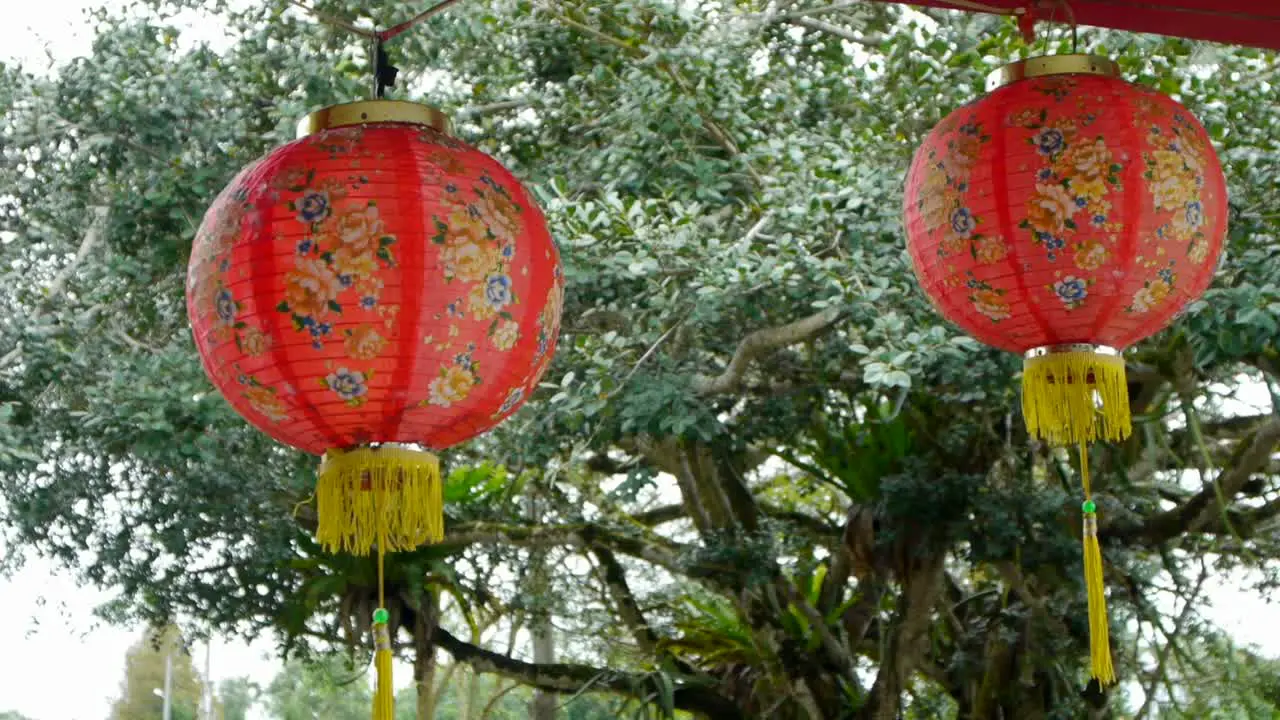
(1067, 215)
(375, 283)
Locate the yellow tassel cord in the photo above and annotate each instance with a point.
(1099, 632)
(390, 498)
(1061, 394)
(347, 499)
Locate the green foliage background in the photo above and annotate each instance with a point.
(862, 526)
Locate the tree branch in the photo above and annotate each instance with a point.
(828, 28)
(762, 342)
(1200, 511)
(615, 579)
(569, 678)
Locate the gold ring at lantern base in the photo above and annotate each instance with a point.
(1046, 350)
(1052, 65)
(374, 111)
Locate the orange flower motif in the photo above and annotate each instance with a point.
(349, 263)
(506, 334)
(1172, 185)
(1091, 256)
(1090, 160)
(1049, 208)
(478, 304)
(265, 401)
(205, 290)
(963, 154)
(1198, 251)
(1149, 297)
(310, 287)
(364, 343)
(467, 259)
(988, 249)
(550, 317)
(989, 303)
(254, 342)
(358, 229)
(935, 204)
(465, 227)
(499, 213)
(453, 386)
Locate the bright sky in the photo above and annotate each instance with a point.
(69, 643)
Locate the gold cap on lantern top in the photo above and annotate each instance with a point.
(374, 111)
(1052, 65)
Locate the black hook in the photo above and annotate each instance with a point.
(384, 73)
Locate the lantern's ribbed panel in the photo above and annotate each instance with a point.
(1070, 208)
(375, 284)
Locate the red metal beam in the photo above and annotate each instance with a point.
(1252, 23)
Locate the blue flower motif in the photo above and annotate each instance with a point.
(1195, 214)
(497, 290)
(346, 280)
(225, 265)
(962, 187)
(1166, 274)
(451, 188)
(348, 384)
(1050, 141)
(317, 345)
(1052, 257)
(1099, 220)
(304, 247)
(307, 321)
(508, 251)
(513, 399)
(313, 207)
(324, 328)
(1054, 242)
(368, 302)
(225, 306)
(1044, 174)
(1071, 290)
(962, 222)
(1081, 202)
(454, 309)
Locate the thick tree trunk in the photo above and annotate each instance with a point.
(920, 586)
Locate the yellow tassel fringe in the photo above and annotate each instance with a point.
(1075, 397)
(368, 491)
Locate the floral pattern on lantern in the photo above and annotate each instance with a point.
(377, 283)
(1066, 208)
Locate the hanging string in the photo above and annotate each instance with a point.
(384, 693)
